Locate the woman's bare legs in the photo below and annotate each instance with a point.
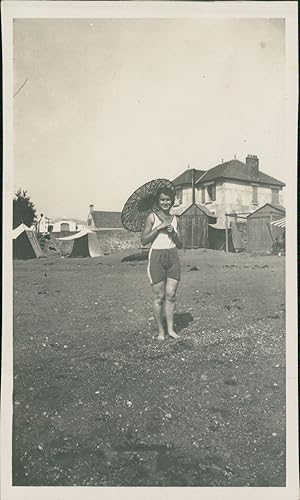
(171, 288)
(159, 290)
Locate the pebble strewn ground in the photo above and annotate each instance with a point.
(98, 401)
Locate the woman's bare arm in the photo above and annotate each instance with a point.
(177, 239)
(175, 235)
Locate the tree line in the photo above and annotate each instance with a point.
(24, 210)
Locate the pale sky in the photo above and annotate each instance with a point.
(111, 104)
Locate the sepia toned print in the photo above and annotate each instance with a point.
(150, 203)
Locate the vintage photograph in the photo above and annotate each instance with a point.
(149, 209)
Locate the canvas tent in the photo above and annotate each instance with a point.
(279, 243)
(85, 244)
(261, 231)
(25, 243)
(279, 223)
(217, 238)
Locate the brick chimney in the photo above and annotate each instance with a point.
(91, 208)
(252, 164)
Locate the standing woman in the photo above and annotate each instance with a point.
(161, 230)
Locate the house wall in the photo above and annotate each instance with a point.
(238, 196)
(187, 196)
(57, 225)
(231, 197)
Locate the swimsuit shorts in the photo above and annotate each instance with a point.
(163, 264)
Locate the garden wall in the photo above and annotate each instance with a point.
(116, 240)
(110, 241)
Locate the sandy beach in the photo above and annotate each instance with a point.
(98, 401)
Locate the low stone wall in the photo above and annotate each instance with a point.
(65, 246)
(63, 234)
(52, 246)
(110, 241)
(114, 240)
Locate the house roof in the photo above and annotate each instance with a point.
(186, 177)
(236, 169)
(104, 220)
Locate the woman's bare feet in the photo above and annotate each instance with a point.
(174, 335)
(160, 337)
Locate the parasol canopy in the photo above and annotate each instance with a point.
(141, 203)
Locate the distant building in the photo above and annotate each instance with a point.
(99, 220)
(183, 185)
(111, 234)
(232, 186)
(61, 227)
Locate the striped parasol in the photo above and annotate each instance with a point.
(141, 203)
(279, 222)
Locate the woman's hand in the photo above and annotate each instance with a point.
(149, 234)
(170, 229)
(163, 225)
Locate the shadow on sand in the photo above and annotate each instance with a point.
(182, 320)
(136, 257)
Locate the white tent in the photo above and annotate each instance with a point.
(19, 230)
(80, 234)
(25, 243)
(85, 244)
(279, 222)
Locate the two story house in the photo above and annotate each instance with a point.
(230, 187)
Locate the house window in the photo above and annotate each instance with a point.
(275, 196)
(254, 195)
(202, 195)
(211, 192)
(179, 196)
(89, 222)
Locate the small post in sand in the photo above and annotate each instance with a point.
(226, 233)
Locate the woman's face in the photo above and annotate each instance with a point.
(164, 202)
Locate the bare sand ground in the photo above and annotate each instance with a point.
(98, 401)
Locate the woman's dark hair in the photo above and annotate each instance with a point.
(168, 192)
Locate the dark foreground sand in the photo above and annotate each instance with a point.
(98, 401)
